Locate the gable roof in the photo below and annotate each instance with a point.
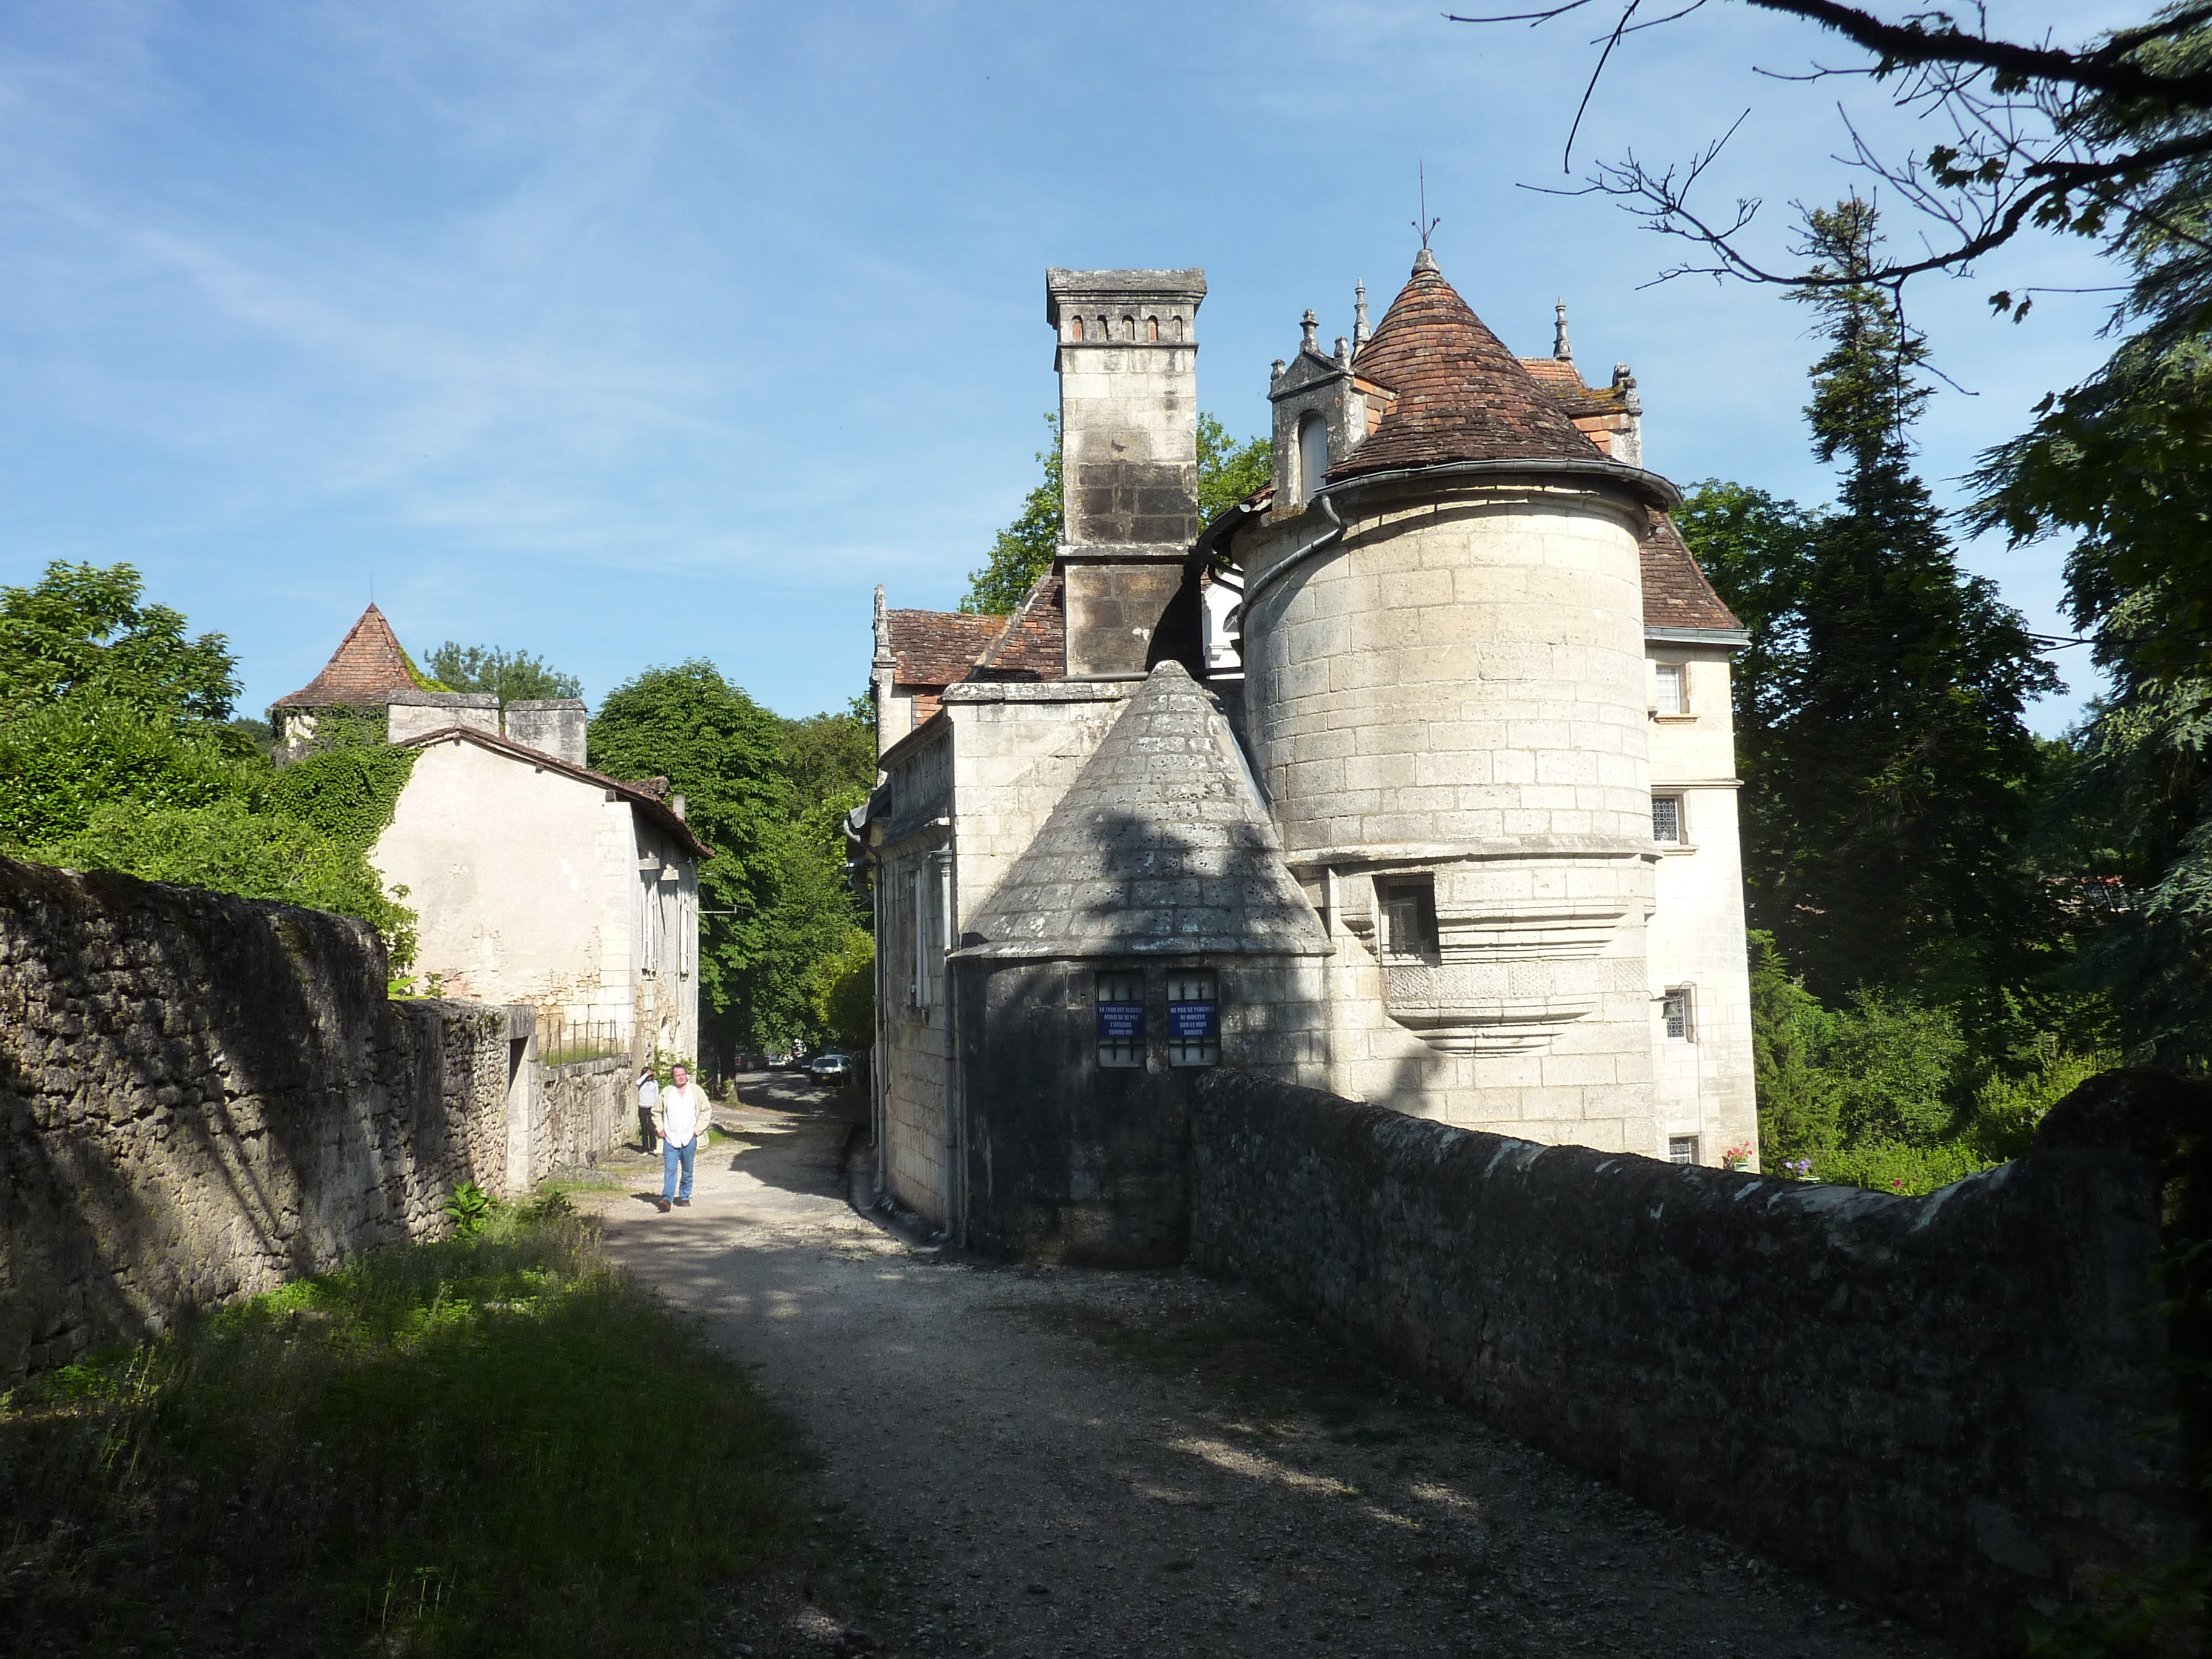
(367, 666)
(646, 797)
(1676, 592)
(1160, 846)
(1033, 644)
(1461, 396)
(936, 647)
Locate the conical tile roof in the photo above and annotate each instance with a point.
(1159, 848)
(367, 666)
(1461, 396)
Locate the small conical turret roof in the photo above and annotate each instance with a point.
(367, 666)
(1461, 396)
(1159, 848)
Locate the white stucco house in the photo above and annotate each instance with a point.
(534, 879)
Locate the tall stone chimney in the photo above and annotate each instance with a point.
(1129, 421)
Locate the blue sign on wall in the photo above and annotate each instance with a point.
(1192, 1022)
(1121, 1022)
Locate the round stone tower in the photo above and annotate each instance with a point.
(1447, 704)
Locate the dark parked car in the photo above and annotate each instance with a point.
(831, 1068)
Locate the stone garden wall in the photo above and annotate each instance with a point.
(202, 1096)
(1961, 1407)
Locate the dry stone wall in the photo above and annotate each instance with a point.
(1962, 1406)
(583, 1110)
(202, 1096)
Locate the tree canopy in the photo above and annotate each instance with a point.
(510, 676)
(84, 628)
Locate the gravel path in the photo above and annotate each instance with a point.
(1096, 1463)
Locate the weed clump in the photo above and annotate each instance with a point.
(492, 1445)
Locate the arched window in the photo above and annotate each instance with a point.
(1129, 328)
(1152, 329)
(1075, 328)
(1313, 456)
(1104, 332)
(1175, 329)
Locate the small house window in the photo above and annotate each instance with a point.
(1121, 1019)
(1194, 1019)
(1408, 905)
(1675, 1011)
(1667, 820)
(1681, 1149)
(1313, 456)
(1674, 690)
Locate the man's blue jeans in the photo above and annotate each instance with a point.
(670, 1157)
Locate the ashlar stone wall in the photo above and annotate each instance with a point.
(202, 1096)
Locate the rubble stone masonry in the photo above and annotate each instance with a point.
(1963, 1407)
(202, 1096)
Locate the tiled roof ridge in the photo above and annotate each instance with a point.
(368, 665)
(1033, 644)
(1460, 395)
(936, 647)
(639, 794)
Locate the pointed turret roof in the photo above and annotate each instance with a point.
(1461, 396)
(367, 666)
(1159, 848)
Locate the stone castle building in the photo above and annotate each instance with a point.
(1410, 777)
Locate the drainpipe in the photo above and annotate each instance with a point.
(956, 1121)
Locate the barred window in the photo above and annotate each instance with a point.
(1194, 1019)
(1121, 1019)
(1674, 1010)
(1682, 1149)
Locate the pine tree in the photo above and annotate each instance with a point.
(1898, 775)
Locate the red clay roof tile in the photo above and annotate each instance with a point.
(366, 668)
(1676, 592)
(1461, 396)
(936, 647)
(1034, 644)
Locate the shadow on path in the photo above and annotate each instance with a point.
(1125, 1463)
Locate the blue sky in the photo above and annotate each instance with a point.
(631, 334)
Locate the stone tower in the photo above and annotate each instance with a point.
(1127, 359)
(1446, 691)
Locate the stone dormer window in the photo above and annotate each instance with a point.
(1313, 456)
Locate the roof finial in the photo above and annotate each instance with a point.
(1359, 328)
(1425, 224)
(1306, 327)
(1560, 347)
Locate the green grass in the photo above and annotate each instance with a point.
(495, 1445)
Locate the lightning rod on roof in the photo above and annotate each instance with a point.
(1425, 224)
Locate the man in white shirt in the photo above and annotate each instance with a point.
(681, 1114)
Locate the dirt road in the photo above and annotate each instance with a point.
(1069, 1462)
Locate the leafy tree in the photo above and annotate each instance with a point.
(830, 754)
(83, 629)
(721, 750)
(1894, 775)
(1022, 551)
(62, 761)
(1227, 472)
(511, 676)
(842, 990)
(1790, 1035)
(231, 849)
